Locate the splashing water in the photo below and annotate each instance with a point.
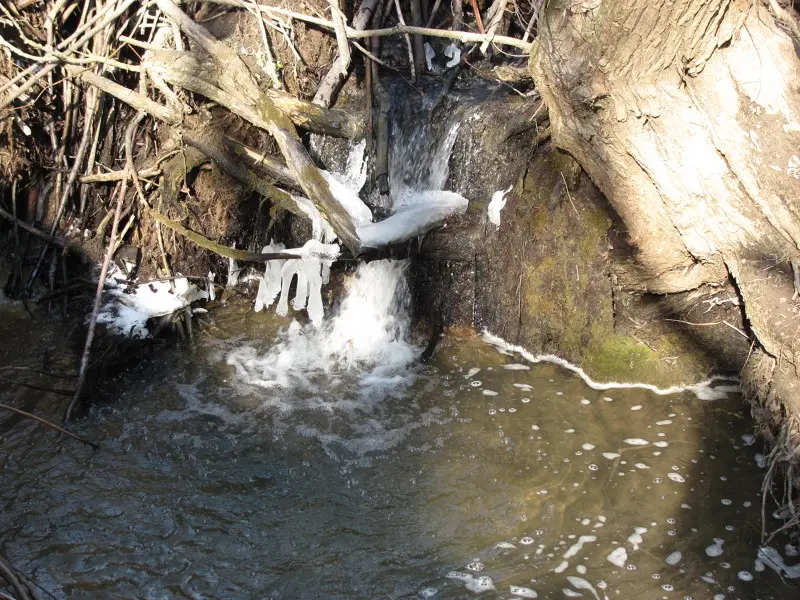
(367, 336)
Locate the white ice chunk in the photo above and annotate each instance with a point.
(429, 56)
(358, 211)
(452, 52)
(773, 559)
(234, 270)
(496, 205)
(320, 228)
(315, 249)
(127, 313)
(419, 213)
(308, 292)
(269, 286)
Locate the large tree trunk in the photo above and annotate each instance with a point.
(687, 117)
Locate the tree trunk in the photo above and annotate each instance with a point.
(687, 117)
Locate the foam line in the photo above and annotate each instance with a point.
(702, 390)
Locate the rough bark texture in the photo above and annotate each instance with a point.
(687, 117)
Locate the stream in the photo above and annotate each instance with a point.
(235, 470)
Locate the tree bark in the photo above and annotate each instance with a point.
(687, 117)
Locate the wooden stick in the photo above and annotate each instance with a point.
(333, 80)
(8, 573)
(50, 239)
(98, 297)
(220, 249)
(49, 424)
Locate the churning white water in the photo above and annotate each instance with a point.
(366, 335)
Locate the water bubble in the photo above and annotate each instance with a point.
(655, 576)
(526, 541)
(593, 467)
(726, 502)
(526, 400)
(512, 410)
(585, 401)
(676, 477)
(729, 527)
(588, 446)
(637, 407)
(725, 565)
(672, 532)
(476, 383)
(657, 480)
(489, 393)
(475, 566)
(631, 567)
(667, 587)
(671, 521)
(745, 575)
(492, 411)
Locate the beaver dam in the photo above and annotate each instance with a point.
(399, 299)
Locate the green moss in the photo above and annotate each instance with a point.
(613, 357)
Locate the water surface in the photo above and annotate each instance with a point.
(355, 483)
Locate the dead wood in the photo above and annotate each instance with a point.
(49, 424)
(237, 90)
(332, 82)
(7, 572)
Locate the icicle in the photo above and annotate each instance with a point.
(269, 286)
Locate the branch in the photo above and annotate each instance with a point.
(220, 249)
(49, 424)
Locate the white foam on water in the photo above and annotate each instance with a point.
(517, 367)
(579, 583)
(561, 567)
(618, 557)
(472, 372)
(636, 442)
(522, 592)
(745, 575)
(428, 592)
(635, 539)
(676, 477)
(578, 546)
(715, 549)
(588, 446)
(674, 558)
(702, 390)
(664, 422)
(571, 593)
(611, 455)
(749, 439)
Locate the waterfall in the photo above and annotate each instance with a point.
(367, 333)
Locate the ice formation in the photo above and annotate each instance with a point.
(496, 205)
(128, 310)
(419, 213)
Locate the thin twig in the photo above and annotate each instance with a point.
(49, 424)
(87, 349)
